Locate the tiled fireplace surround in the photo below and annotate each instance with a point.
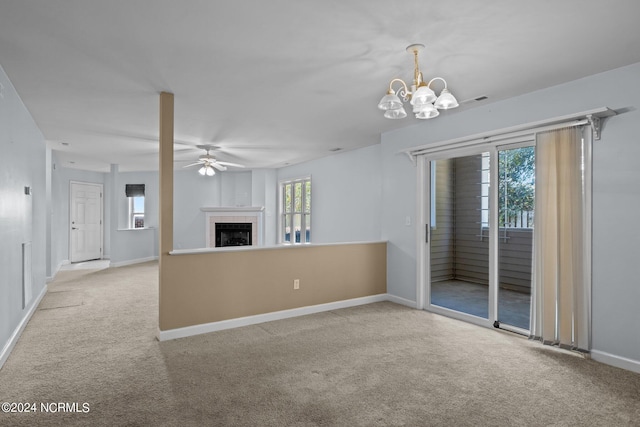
(248, 214)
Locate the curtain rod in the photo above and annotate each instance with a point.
(592, 117)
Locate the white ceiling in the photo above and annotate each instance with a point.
(282, 81)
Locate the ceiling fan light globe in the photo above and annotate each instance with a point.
(210, 171)
(446, 100)
(202, 171)
(390, 102)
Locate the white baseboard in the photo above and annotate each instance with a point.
(63, 262)
(132, 261)
(6, 350)
(266, 317)
(401, 301)
(617, 361)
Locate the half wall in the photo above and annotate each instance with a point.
(199, 288)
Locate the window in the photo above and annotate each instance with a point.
(135, 196)
(516, 187)
(136, 212)
(295, 211)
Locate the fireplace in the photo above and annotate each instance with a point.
(221, 221)
(233, 234)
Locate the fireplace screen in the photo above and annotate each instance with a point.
(233, 234)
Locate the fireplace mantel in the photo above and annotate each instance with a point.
(233, 214)
(233, 209)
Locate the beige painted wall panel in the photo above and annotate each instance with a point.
(210, 287)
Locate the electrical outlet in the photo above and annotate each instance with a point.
(296, 284)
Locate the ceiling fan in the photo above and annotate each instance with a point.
(209, 163)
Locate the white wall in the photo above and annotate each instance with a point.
(126, 245)
(346, 198)
(22, 217)
(193, 192)
(190, 193)
(616, 198)
(264, 193)
(345, 195)
(235, 188)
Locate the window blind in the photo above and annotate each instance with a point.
(134, 190)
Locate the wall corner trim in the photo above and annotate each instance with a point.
(6, 350)
(266, 317)
(617, 361)
(402, 301)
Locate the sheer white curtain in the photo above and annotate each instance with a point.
(560, 309)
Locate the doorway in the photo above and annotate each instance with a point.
(85, 221)
(480, 236)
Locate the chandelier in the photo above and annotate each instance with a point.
(422, 98)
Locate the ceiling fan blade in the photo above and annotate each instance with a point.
(193, 164)
(218, 166)
(235, 165)
(207, 147)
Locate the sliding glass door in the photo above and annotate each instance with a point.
(459, 235)
(516, 191)
(479, 250)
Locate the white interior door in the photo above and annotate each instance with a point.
(85, 236)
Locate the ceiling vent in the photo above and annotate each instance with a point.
(476, 99)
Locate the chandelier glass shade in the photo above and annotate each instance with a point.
(398, 113)
(426, 104)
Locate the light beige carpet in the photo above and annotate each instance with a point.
(93, 341)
